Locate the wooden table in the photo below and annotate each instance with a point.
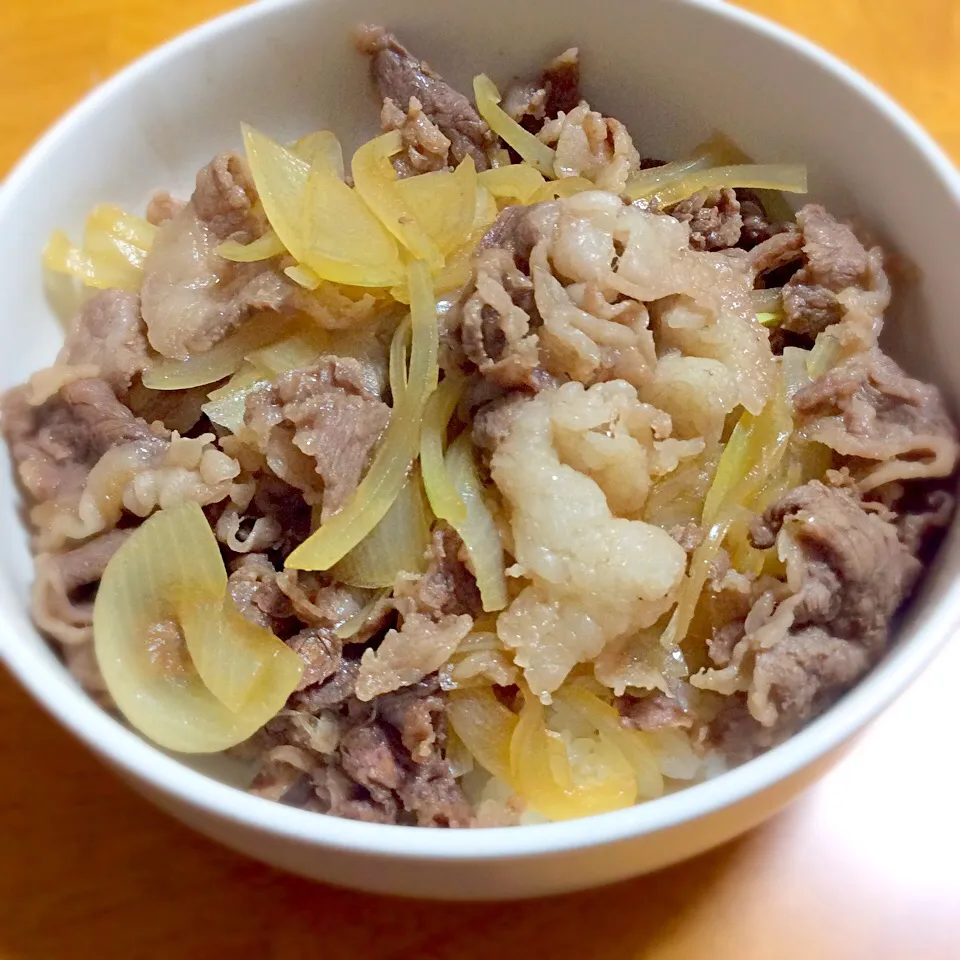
(865, 866)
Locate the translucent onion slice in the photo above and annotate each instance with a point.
(543, 775)
(399, 359)
(322, 151)
(560, 189)
(767, 301)
(486, 211)
(398, 449)
(396, 545)
(718, 150)
(443, 203)
(306, 277)
(343, 241)
(478, 530)
(752, 455)
(637, 747)
(485, 726)
(785, 178)
(220, 361)
(115, 245)
(300, 349)
(353, 625)
(265, 247)
(280, 177)
(226, 406)
(319, 219)
(824, 355)
(516, 181)
(532, 150)
(376, 182)
(170, 572)
(445, 501)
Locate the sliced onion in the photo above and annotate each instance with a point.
(824, 355)
(344, 242)
(445, 501)
(477, 530)
(220, 361)
(443, 203)
(535, 152)
(767, 301)
(227, 405)
(543, 775)
(263, 248)
(398, 449)
(322, 151)
(485, 726)
(399, 359)
(376, 182)
(565, 187)
(319, 219)
(353, 625)
(785, 178)
(170, 571)
(396, 545)
(280, 177)
(304, 276)
(115, 245)
(637, 747)
(718, 150)
(752, 455)
(301, 349)
(516, 181)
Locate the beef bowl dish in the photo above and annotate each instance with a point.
(501, 474)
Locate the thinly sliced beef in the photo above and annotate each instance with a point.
(758, 227)
(425, 148)
(923, 513)
(317, 427)
(848, 572)
(333, 692)
(515, 231)
(557, 89)
(191, 297)
(60, 604)
(400, 76)
(492, 421)
(447, 588)
(320, 651)
(497, 316)
(109, 334)
(253, 587)
(163, 206)
(654, 712)
(56, 444)
(320, 601)
(868, 408)
(386, 763)
(715, 219)
(497, 323)
(831, 260)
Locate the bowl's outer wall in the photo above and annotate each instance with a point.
(673, 70)
(506, 878)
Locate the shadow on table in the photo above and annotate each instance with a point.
(89, 870)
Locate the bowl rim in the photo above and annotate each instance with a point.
(138, 758)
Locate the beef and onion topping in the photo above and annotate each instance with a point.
(498, 475)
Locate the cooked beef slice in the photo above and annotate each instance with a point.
(318, 427)
(399, 76)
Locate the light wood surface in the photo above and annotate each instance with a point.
(864, 866)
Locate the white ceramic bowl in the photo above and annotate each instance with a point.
(673, 70)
